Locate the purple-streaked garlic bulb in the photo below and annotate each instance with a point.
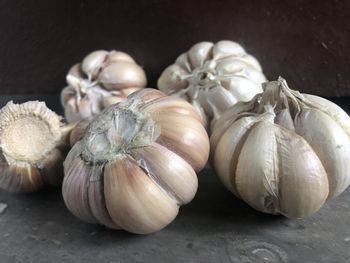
(135, 164)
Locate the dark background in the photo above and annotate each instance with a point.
(307, 42)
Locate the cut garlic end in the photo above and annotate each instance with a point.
(29, 135)
(28, 131)
(118, 130)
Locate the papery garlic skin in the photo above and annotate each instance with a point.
(135, 164)
(213, 77)
(101, 79)
(33, 141)
(283, 152)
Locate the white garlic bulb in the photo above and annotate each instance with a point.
(213, 77)
(102, 79)
(135, 164)
(33, 141)
(283, 152)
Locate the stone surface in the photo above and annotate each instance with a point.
(214, 227)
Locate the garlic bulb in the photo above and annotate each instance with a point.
(283, 152)
(102, 79)
(32, 144)
(213, 77)
(135, 164)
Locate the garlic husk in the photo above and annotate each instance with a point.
(213, 77)
(33, 140)
(139, 179)
(103, 78)
(283, 152)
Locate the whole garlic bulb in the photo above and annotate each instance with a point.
(283, 152)
(102, 79)
(213, 77)
(136, 163)
(32, 145)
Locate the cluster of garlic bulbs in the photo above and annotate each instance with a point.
(135, 152)
(33, 141)
(213, 77)
(283, 152)
(135, 164)
(101, 79)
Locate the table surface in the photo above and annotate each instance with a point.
(214, 227)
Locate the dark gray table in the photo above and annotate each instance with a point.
(214, 227)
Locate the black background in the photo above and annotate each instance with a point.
(307, 42)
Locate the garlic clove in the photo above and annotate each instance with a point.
(171, 79)
(171, 104)
(252, 61)
(169, 171)
(215, 101)
(97, 202)
(75, 189)
(146, 95)
(226, 48)
(331, 143)
(219, 126)
(332, 109)
(239, 86)
(185, 135)
(93, 63)
(118, 56)
(51, 168)
(200, 53)
(183, 62)
(228, 149)
(239, 67)
(128, 91)
(66, 131)
(256, 179)
(122, 75)
(76, 71)
(303, 186)
(71, 111)
(66, 94)
(21, 177)
(201, 113)
(286, 176)
(134, 201)
(117, 96)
